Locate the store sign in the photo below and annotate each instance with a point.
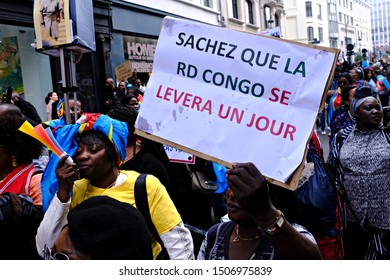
(231, 97)
(140, 52)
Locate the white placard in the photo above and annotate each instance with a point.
(234, 96)
(179, 156)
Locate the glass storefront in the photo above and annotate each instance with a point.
(22, 68)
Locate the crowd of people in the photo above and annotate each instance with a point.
(55, 209)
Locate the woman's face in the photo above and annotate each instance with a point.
(133, 103)
(92, 160)
(54, 96)
(235, 212)
(369, 114)
(343, 83)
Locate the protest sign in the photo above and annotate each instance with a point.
(235, 97)
(123, 72)
(179, 156)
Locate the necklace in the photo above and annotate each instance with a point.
(239, 237)
(113, 183)
(87, 191)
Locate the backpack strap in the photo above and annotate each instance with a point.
(141, 201)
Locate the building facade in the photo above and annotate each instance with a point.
(380, 23)
(307, 22)
(362, 21)
(124, 31)
(253, 16)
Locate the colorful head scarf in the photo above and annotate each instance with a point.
(67, 137)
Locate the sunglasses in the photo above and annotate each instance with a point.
(343, 82)
(59, 256)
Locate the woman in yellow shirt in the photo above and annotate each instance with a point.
(101, 149)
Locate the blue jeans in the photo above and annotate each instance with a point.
(321, 120)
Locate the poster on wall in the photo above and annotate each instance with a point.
(10, 68)
(64, 23)
(229, 96)
(52, 23)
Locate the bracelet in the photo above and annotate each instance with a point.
(274, 228)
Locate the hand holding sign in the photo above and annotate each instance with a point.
(234, 97)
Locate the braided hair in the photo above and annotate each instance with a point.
(127, 114)
(24, 147)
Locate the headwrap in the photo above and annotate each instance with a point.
(356, 102)
(67, 137)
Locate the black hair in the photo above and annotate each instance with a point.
(125, 100)
(107, 229)
(373, 76)
(91, 137)
(345, 93)
(47, 98)
(23, 146)
(136, 90)
(127, 114)
(362, 92)
(347, 76)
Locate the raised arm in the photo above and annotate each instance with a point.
(252, 192)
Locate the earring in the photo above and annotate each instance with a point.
(14, 163)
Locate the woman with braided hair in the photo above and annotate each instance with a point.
(20, 193)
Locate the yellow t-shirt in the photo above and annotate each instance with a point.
(162, 210)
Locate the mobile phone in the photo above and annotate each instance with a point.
(386, 115)
(8, 95)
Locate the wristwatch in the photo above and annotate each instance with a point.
(274, 228)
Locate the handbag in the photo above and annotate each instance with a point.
(201, 183)
(316, 197)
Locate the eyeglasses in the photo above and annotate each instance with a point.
(343, 83)
(59, 256)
